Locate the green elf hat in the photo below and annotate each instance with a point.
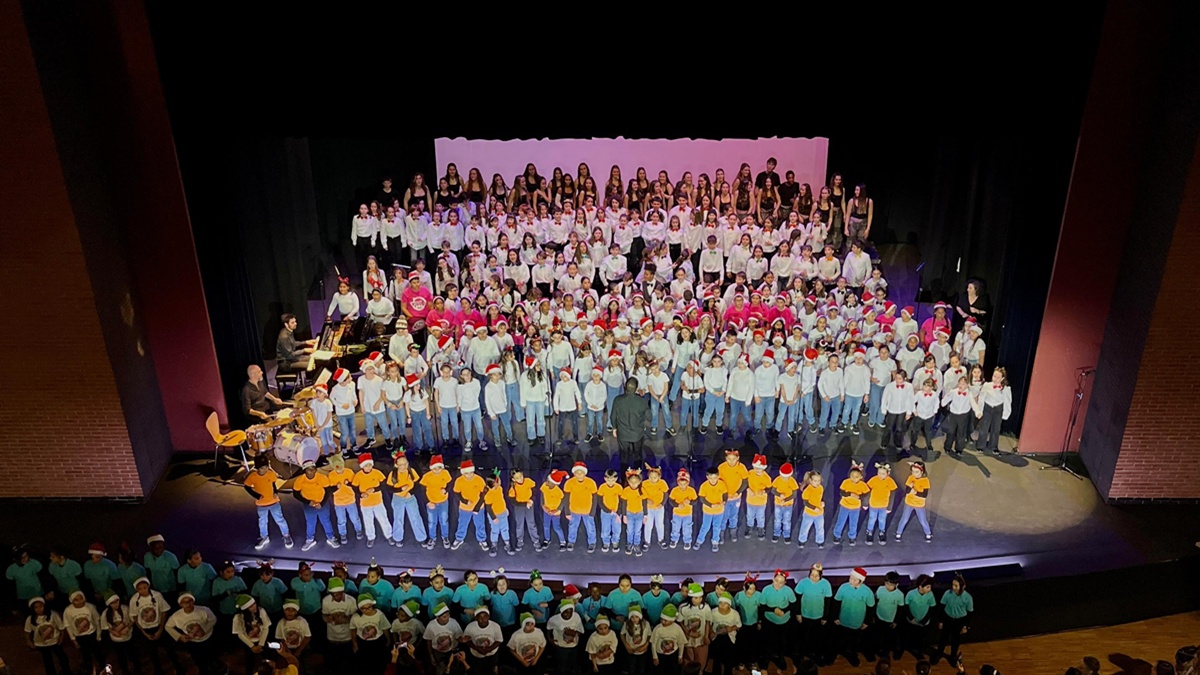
(534, 574)
(526, 617)
(111, 595)
(336, 585)
(725, 598)
(440, 609)
(244, 601)
(293, 603)
(410, 608)
(634, 609)
(695, 591)
(669, 612)
(365, 599)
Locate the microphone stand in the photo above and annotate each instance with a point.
(1061, 463)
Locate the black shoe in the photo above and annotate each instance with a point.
(774, 539)
(570, 547)
(370, 543)
(491, 551)
(671, 432)
(720, 429)
(562, 548)
(591, 548)
(870, 539)
(854, 430)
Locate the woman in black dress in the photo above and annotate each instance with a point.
(453, 180)
(498, 193)
(418, 192)
(974, 302)
(614, 186)
(837, 196)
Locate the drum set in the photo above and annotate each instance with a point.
(291, 436)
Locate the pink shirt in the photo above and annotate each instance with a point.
(929, 326)
(417, 302)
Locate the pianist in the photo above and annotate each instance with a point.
(290, 354)
(258, 403)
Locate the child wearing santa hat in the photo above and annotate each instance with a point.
(740, 394)
(495, 397)
(568, 404)
(322, 409)
(437, 507)
(469, 488)
(581, 504)
(552, 499)
(766, 389)
(691, 384)
(416, 407)
(345, 401)
(683, 496)
(758, 482)
(784, 488)
(367, 481)
(655, 491)
(856, 598)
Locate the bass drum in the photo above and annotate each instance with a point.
(295, 449)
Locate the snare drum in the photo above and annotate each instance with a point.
(260, 437)
(305, 421)
(295, 449)
(284, 414)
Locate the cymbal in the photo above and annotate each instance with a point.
(279, 422)
(306, 394)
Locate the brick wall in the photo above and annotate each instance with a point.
(63, 424)
(1160, 451)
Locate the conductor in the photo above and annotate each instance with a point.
(629, 413)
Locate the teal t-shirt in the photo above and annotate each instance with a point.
(679, 599)
(129, 574)
(225, 592)
(653, 604)
(198, 581)
(269, 594)
(504, 608)
(162, 570)
(619, 602)
(308, 593)
(101, 575)
(66, 576)
(747, 606)
(919, 604)
(887, 603)
(26, 578)
(957, 606)
(855, 602)
(351, 588)
(777, 598)
(431, 598)
(468, 598)
(812, 597)
(401, 596)
(532, 599)
(588, 609)
(381, 590)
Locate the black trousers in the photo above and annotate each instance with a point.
(812, 642)
(957, 426)
(886, 639)
(989, 428)
(894, 431)
(916, 639)
(851, 643)
(632, 452)
(49, 654)
(918, 425)
(951, 635)
(152, 647)
(776, 638)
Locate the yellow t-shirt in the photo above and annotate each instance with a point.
(852, 493)
(343, 495)
(470, 488)
(435, 483)
(655, 492)
(920, 485)
(714, 495)
(364, 480)
(757, 482)
(683, 498)
(263, 484)
(494, 499)
(814, 500)
(734, 477)
(610, 496)
(580, 494)
(313, 490)
(634, 499)
(522, 493)
(785, 488)
(881, 492)
(552, 498)
(403, 483)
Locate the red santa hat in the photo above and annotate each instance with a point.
(941, 305)
(341, 375)
(614, 353)
(789, 364)
(443, 341)
(598, 369)
(645, 322)
(860, 350)
(908, 309)
(769, 355)
(322, 386)
(659, 329)
(365, 459)
(412, 379)
(557, 476)
(785, 469)
(683, 475)
(566, 371)
(760, 462)
(600, 324)
(502, 322)
(810, 354)
(493, 368)
(758, 333)
(694, 364)
(467, 466)
(941, 330)
(468, 328)
(97, 549)
(414, 275)
(377, 357)
(579, 466)
(858, 573)
(529, 361)
(570, 591)
(745, 359)
(481, 327)
(811, 300)
(889, 306)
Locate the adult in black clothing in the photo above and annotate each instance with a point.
(290, 354)
(761, 179)
(974, 302)
(385, 195)
(258, 403)
(629, 415)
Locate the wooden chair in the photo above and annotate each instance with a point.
(233, 439)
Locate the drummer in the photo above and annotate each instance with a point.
(322, 410)
(258, 403)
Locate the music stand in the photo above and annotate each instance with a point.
(1081, 375)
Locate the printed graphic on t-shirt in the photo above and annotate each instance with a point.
(148, 615)
(119, 628)
(529, 651)
(369, 632)
(83, 625)
(444, 642)
(46, 632)
(194, 630)
(570, 636)
(692, 626)
(667, 648)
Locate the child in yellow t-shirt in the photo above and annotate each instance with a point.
(914, 501)
(520, 493)
(713, 493)
(813, 497)
(634, 501)
(683, 496)
(497, 513)
(368, 481)
(757, 484)
(437, 502)
(879, 504)
(343, 497)
(262, 484)
(785, 488)
(552, 499)
(469, 487)
(581, 503)
(852, 489)
(733, 474)
(610, 512)
(655, 490)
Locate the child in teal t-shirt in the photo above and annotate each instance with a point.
(920, 600)
(471, 595)
(226, 587)
(196, 577)
(888, 601)
(504, 603)
(538, 598)
(855, 599)
(589, 608)
(436, 594)
(747, 601)
(99, 571)
(130, 569)
(814, 590)
(24, 573)
(378, 588)
(406, 590)
(65, 572)
(721, 586)
(161, 564)
(308, 590)
(268, 591)
(349, 587)
(619, 600)
(654, 600)
(777, 600)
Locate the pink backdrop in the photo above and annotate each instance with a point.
(805, 156)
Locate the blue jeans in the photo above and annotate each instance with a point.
(551, 521)
(275, 511)
(504, 419)
(691, 408)
(610, 528)
(829, 412)
(764, 412)
(403, 507)
(806, 410)
(664, 407)
(311, 515)
(326, 437)
(370, 420)
(782, 520)
(922, 517)
(875, 515)
(535, 420)
(808, 522)
(499, 528)
(613, 393)
(785, 419)
(595, 422)
(732, 508)
(349, 431)
(845, 515)
(737, 410)
(513, 391)
(438, 515)
(714, 406)
(347, 512)
(713, 521)
(422, 430)
(396, 422)
(465, 518)
(850, 409)
(376, 515)
(676, 380)
(471, 419)
(874, 413)
(681, 528)
(589, 523)
(448, 419)
(634, 536)
(756, 516)
(568, 420)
